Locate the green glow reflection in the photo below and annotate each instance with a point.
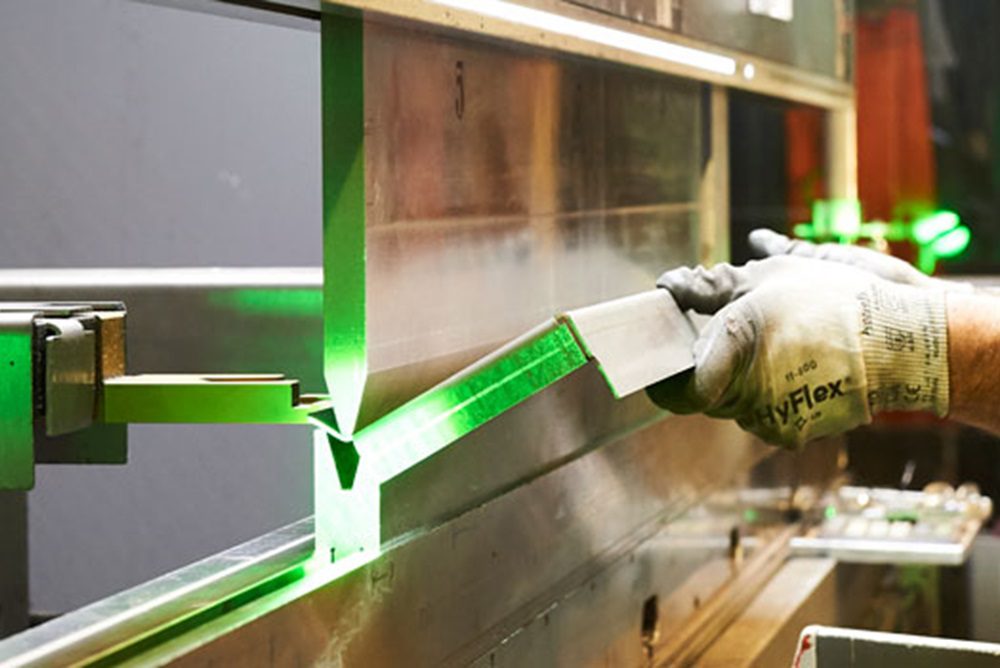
(444, 414)
(345, 342)
(349, 521)
(17, 453)
(952, 243)
(839, 218)
(930, 227)
(279, 302)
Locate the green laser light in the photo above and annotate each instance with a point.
(937, 234)
(928, 228)
(952, 243)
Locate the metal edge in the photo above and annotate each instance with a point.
(768, 78)
(166, 605)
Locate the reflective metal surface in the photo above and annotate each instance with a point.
(636, 341)
(505, 186)
(89, 633)
(502, 186)
(200, 320)
(571, 523)
(574, 553)
(806, 34)
(827, 647)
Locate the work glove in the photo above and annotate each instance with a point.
(800, 348)
(768, 243)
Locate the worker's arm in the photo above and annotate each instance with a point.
(974, 359)
(800, 348)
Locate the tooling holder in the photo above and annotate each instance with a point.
(67, 400)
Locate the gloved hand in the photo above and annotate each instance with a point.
(800, 348)
(768, 243)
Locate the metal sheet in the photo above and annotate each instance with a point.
(828, 647)
(192, 591)
(636, 340)
(580, 547)
(505, 186)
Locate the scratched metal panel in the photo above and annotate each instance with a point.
(506, 185)
(554, 572)
(558, 571)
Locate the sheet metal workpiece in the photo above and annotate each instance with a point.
(833, 647)
(430, 262)
(347, 514)
(635, 341)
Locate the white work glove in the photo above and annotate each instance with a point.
(800, 348)
(768, 243)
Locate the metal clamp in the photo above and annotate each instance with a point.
(66, 398)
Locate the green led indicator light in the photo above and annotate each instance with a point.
(830, 512)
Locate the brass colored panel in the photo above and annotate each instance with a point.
(111, 337)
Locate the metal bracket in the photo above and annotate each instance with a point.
(66, 398)
(50, 384)
(207, 398)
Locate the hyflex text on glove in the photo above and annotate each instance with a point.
(799, 348)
